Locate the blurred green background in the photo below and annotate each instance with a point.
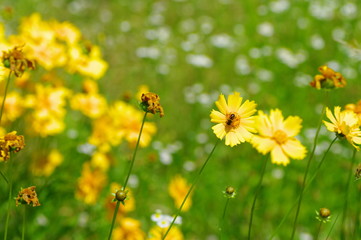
(189, 52)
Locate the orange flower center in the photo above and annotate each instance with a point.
(233, 120)
(280, 136)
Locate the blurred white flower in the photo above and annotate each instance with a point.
(222, 41)
(317, 42)
(148, 52)
(279, 6)
(349, 10)
(265, 29)
(242, 66)
(289, 58)
(199, 60)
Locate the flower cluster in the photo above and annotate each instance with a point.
(27, 196)
(328, 79)
(163, 221)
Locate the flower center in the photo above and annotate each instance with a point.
(233, 120)
(280, 136)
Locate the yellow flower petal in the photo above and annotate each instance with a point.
(232, 139)
(217, 117)
(276, 119)
(263, 145)
(234, 101)
(278, 156)
(292, 125)
(219, 130)
(247, 109)
(263, 125)
(294, 149)
(221, 104)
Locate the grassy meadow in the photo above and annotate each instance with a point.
(79, 113)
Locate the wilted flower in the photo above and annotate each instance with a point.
(234, 119)
(323, 215)
(150, 103)
(329, 79)
(15, 60)
(178, 189)
(345, 124)
(277, 135)
(27, 196)
(10, 143)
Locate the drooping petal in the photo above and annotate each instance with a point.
(232, 139)
(234, 101)
(263, 145)
(292, 125)
(330, 126)
(219, 130)
(217, 117)
(278, 156)
(294, 149)
(221, 104)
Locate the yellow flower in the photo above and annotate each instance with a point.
(344, 124)
(356, 108)
(329, 79)
(10, 143)
(129, 229)
(13, 107)
(178, 189)
(156, 233)
(90, 184)
(123, 209)
(27, 196)
(45, 166)
(100, 160)
(277, 136)
(234, 119)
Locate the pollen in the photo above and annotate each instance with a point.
(233, 120)
(280, 136)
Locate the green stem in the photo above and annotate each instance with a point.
(9, 201)
(6, 90)
(222, 219)
(333, 225)
(357, 222)
(129, 172)
(308, 184)
(113, 221)
(24, 217)
(318, 230)
(5, 178)
(343, 227)
(190, 190)
(306, 172)
(135, 152)
(259, 186)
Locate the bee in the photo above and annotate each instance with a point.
(230, 119)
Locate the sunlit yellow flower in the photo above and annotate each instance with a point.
(277, 135)
(123, 209)
(234, 119)
(178, 189)
(356, 108)
(345, 124)
(91, 105)
(100, 160)
(45, 166)
(90, 184)
(66, 31)
(27, 196)
(156, 233)
(10, 143)
(129, 229)
(328, 79)
(14, 107)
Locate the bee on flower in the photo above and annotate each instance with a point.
(277, 136)
(234, 120)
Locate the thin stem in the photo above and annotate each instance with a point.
(5, 178)
(9, 201)
(256, 195)
(24, 217)
(190, 190)
(306, 172)
(222, 219)
(6, 90)
(318, 230)
(129, 172)
(113, 221)
(135, 152)
(333, 225)
(343, 227)
(308, 184)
